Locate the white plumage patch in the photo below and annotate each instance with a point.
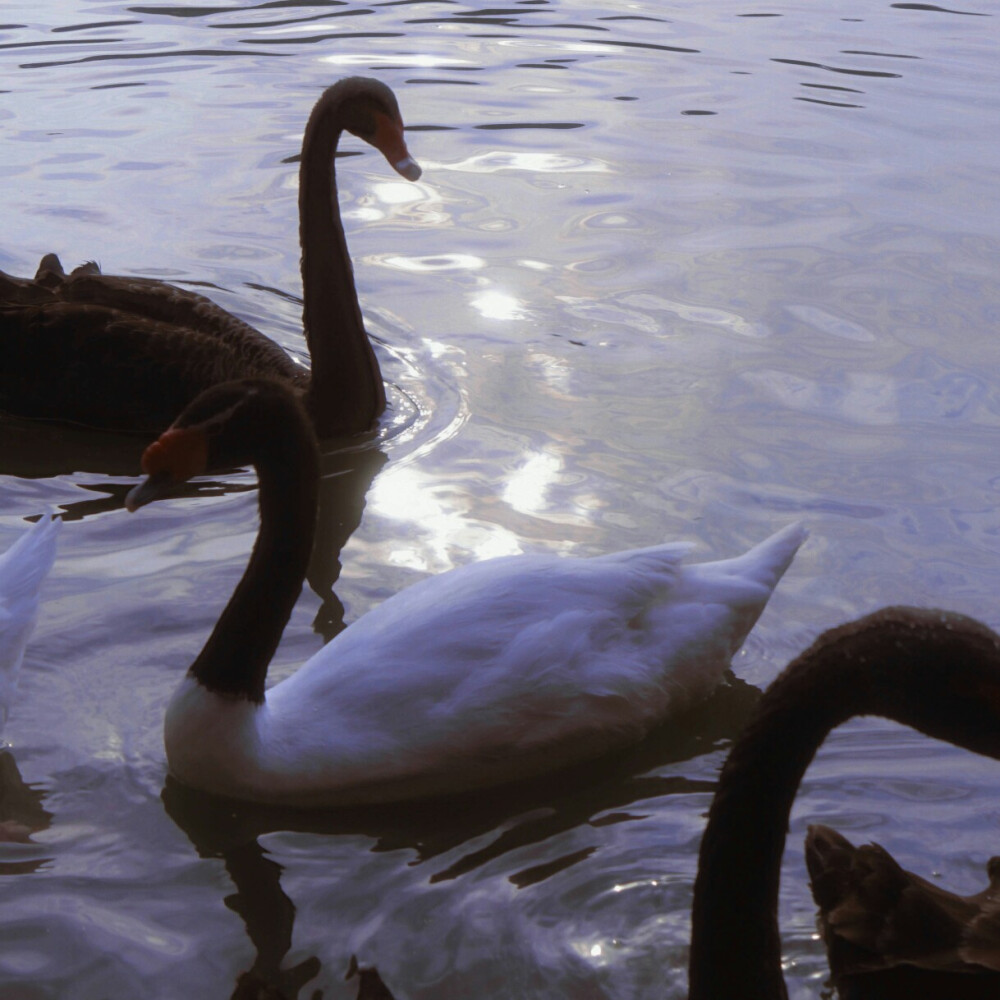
(23, 568)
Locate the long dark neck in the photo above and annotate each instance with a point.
(346, 393)
(735, 943)
(901, 663)
(235, 659)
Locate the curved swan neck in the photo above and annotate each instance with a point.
(346, 393)
(889, 664)
(235, 659)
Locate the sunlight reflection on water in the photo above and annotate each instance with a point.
(678, 272)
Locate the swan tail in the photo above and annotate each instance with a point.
(738, 589)
(659, 576)
(710, 612)
(766, 562)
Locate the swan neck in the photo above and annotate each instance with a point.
(346, 393)
(234, 661)
(934, 671)
(735, 940)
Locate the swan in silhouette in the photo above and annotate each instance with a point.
(486, 674)
(936, 671)
(23, 568)
(129, 354)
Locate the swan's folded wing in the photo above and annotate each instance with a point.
(876, 915)
(117, 368)
(500, 631)
(180, 308)
(503, 657)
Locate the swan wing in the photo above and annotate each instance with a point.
(482, 656)
(877, 915)
(528, 658)
(117, 352)
(116, 368)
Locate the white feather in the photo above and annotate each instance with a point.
(23, 568)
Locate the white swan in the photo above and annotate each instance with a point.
(23, 568)
(482, 675)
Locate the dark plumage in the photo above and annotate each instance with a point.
(891, 933)
(129, 354)
(933, 670)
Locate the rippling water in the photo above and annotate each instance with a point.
(673, 270)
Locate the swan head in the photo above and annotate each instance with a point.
(229, 425)
(173, 458)
(371, 112)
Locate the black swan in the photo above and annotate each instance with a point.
(936, 671)
(129, 354)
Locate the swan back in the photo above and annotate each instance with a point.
(23, 568)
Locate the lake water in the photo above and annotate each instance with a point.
(683, 270)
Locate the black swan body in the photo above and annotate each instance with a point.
(891, 934)
(129, 354)
(936, 671)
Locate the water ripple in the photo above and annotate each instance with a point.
(940, 10)
(838, 69)
(651, 295)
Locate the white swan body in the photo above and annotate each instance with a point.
(485, 674)
(23, 568)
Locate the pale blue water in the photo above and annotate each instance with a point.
(673, 270)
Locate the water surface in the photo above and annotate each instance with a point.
(679, 270)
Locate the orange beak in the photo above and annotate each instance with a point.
(173, 458)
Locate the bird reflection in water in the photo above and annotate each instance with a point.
(21, 815)
(346, 475)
